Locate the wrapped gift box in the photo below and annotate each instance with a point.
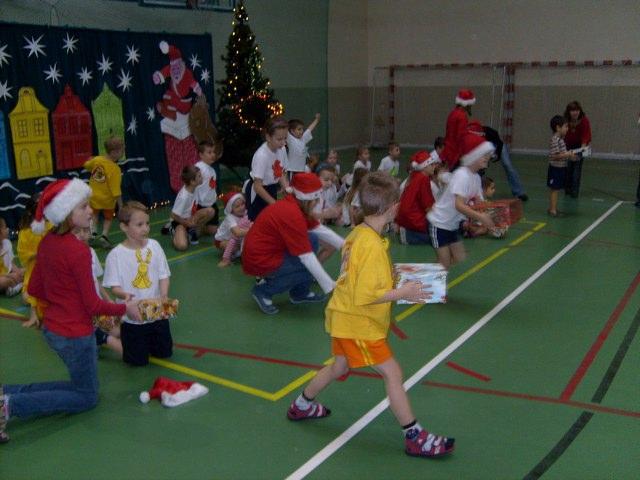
(152, 309)
(432, 274)
(503, 212)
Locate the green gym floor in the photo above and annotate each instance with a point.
(532, 365)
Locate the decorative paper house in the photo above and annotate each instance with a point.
(71, 131)
(30, 134)
(107, 114)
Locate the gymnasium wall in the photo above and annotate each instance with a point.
(442, 31)
(291, 34)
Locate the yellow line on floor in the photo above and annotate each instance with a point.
(189, 254)
(213, 378)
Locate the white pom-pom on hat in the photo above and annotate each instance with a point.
(164, 47)
(145, 397)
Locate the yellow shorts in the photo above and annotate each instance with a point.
(361, 353)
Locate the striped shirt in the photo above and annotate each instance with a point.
(556, 147)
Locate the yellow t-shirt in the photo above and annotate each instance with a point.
(27, 250)
(365, 276)
(105, 181)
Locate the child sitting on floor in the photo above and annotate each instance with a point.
(11, 276)
(137, 268)
(233, 228)
(328, 210)
(359, 314)
(185, 216)
(471, 228)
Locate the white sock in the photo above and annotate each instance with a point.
(302, 403)
(412, 430)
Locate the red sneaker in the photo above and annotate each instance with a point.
(427, 444)
(316, 410)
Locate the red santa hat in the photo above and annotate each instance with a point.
(422, 159)
(229, 199)
(465, 98)
(306, 186)
(173, 52)
(57, 201)
(473, 148)
(172, 393)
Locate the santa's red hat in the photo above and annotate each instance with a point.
(229, 199)
(172, 393)
(57, 201)
(306, 186)
(173, 52)
(473, 148)
(465, 98)
(422, 159)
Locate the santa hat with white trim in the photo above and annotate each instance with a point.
(474, 147)
(57, 201)
(465, 98)
(422, 159)
(173, 52)
(229, 199)
(306, 186)
(172, 393)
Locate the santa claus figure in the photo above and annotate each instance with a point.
(177, 98)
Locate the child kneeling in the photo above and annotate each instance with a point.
(137, 268)
(359, 314)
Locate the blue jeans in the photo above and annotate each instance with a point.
(574, 173)
(512, 175)
(290, 276)
(80, 393)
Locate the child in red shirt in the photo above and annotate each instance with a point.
(63, 282)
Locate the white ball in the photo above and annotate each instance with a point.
(144, 397)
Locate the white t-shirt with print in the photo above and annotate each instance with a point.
(123, 269)
(464, 183)
(388, 164)
(206, 193)
(223, 234)
(96, 270)
(268, 165)
(185, 203)
(298, 151)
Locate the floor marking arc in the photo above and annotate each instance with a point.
(332, 447)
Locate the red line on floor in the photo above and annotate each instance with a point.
(396, 329)
(588, 359)
(535, 398)
(367, 374)
(466, 371)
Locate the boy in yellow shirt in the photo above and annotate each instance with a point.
(359, 314)
(105, 181)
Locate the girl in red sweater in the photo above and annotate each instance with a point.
(578, 136)
(63, 282)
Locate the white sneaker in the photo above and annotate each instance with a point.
(13, 291)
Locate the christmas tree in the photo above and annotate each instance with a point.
(245, 101)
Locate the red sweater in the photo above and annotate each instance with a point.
(280, 228)
(456, 128)
(580, 135)
(415, 201)
(62, 279)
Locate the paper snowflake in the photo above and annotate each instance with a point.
(4, 56)
(194, 61)
(132, 55)
(151, 114)
(34, 46)
(205, 76)
(5, 90)
(132, 128)
(69, 44)
(53, 73)
(125, 80)
(85, 75)
(104, 65)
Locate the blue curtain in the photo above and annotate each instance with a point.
(48, 58)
